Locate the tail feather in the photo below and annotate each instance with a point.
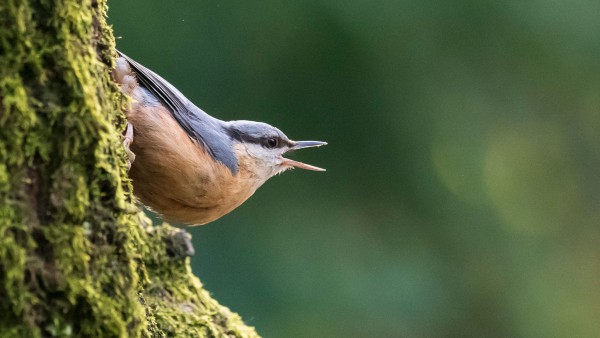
(123, 75)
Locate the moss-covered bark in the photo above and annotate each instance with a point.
(77, 258)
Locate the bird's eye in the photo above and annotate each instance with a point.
(272, 142)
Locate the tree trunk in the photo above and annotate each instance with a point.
(77, 257)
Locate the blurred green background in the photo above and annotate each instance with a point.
(462, 196)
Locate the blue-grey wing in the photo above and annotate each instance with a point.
(205, 129)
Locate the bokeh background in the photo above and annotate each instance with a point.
(462, 196)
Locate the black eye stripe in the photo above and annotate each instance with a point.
(270, 142)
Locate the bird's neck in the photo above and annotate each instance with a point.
(252, 168)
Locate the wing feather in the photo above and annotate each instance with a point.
(205, 129)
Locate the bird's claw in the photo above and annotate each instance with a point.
(127, 141)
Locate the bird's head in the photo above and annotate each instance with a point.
(261, 147)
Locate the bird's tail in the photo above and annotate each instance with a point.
(123, 75)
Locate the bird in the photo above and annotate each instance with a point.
(186, 165)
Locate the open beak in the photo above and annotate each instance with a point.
(299, 145)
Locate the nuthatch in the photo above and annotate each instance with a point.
(188, 166)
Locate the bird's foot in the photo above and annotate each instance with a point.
(127, 141)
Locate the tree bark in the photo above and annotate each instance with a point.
(77, 257)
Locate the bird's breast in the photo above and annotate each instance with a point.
(175, 176)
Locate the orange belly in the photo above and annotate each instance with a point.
(174, 176)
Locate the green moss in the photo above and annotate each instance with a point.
(77, 257)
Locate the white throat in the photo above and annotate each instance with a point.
(261, 163)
